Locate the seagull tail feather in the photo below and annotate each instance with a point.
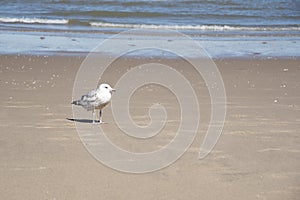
(77, 102)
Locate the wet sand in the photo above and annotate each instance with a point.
(257, 156)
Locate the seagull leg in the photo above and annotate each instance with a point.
(94, 117)
(100, 117)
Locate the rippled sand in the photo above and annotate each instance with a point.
(257, 156)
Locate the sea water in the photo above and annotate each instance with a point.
(228, 28)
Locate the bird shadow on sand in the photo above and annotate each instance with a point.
(89, 121)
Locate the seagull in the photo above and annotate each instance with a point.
(96, 99)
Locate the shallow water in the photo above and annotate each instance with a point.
(223, 28)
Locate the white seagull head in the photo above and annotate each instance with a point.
(106, 88)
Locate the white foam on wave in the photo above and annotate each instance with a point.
(148, 26)
(33, 20)
(194, 27)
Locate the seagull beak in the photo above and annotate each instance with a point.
(113, 90)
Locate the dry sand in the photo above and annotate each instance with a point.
(257, 156)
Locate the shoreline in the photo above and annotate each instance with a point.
(216, 46)
(83, 55)
(142, 57)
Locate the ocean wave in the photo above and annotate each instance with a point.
(195, 27)
(33, 20)
(75, 22)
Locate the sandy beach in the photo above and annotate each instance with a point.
(256, 157)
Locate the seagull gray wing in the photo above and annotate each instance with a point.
(90, 97)
(89, 100)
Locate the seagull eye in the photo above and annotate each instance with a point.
(106, 87)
